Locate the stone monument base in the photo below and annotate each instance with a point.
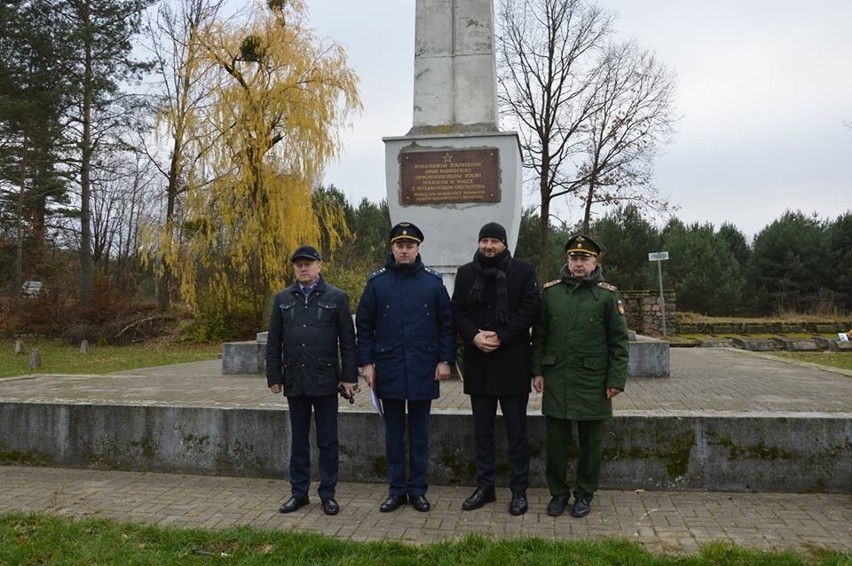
(449, 185)
(247, 357)
(649, 357)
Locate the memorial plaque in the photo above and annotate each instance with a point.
(450, 176)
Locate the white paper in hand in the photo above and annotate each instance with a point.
(377, 403)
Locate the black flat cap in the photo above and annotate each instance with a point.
(306, 252)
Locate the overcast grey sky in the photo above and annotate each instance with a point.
(763, 90)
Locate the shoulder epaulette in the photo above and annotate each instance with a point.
(376, 273)
(433, 272)
(607, 286)
(551, 284)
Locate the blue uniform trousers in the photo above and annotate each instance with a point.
(417, 421)
(325, 417)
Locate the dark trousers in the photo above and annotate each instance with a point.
(514, 409)
(558, 441)
(416, 420)
(325, 417)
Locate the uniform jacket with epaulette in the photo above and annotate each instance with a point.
(305, 335)
(405, 328)
(580, 346)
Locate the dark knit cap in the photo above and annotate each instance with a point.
(493, 230)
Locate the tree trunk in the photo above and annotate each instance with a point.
(587, 209)
(544, 233)
(164, 281)
(19, 248)
(86, 262)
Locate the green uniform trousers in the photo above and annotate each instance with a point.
(558, 442)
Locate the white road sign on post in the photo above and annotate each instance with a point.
(660, 257)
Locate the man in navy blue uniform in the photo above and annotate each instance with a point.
(406, 345)
(310, 355)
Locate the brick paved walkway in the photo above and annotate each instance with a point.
(660, 521)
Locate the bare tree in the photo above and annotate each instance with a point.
(589, 114)
(632, 119)
(123, 194)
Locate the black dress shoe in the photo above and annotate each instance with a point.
(518, 506)
(330, 506)
(480, 497)
(393, 503)
(420, 503)
(293, 503)
(582, 507)
(557, 505)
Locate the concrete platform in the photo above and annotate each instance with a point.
(726, 420)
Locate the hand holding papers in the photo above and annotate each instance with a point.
(377, 403)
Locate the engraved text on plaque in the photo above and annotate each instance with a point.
(450, 176)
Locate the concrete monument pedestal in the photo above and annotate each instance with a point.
(454, 170)
(247, 357)
(449, 186)
(649, 357)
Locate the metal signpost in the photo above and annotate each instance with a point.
(660, 257)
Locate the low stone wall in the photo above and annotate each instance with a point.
(817, 343)
(644, 311)
(746, 328)
(794, 453)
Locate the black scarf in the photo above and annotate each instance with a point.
(492, 269)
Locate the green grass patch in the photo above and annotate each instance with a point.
(60, 357)
(685, 317)
(40, 539)
(842, 360)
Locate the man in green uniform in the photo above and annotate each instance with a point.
(579, 360)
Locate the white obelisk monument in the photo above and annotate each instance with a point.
(454, 170)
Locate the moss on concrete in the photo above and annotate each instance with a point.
(380, 466)
(674, 450)
(759, 451)
(460, 466)
(677, 458)
(25, 458)
(147, 448)
(193, 441)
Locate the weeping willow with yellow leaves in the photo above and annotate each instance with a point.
(276, 105)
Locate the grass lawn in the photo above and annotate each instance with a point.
(40, 539)
(842, 360)
(61, 357)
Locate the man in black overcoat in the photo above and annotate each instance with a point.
(495, 303)
(310, 355)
